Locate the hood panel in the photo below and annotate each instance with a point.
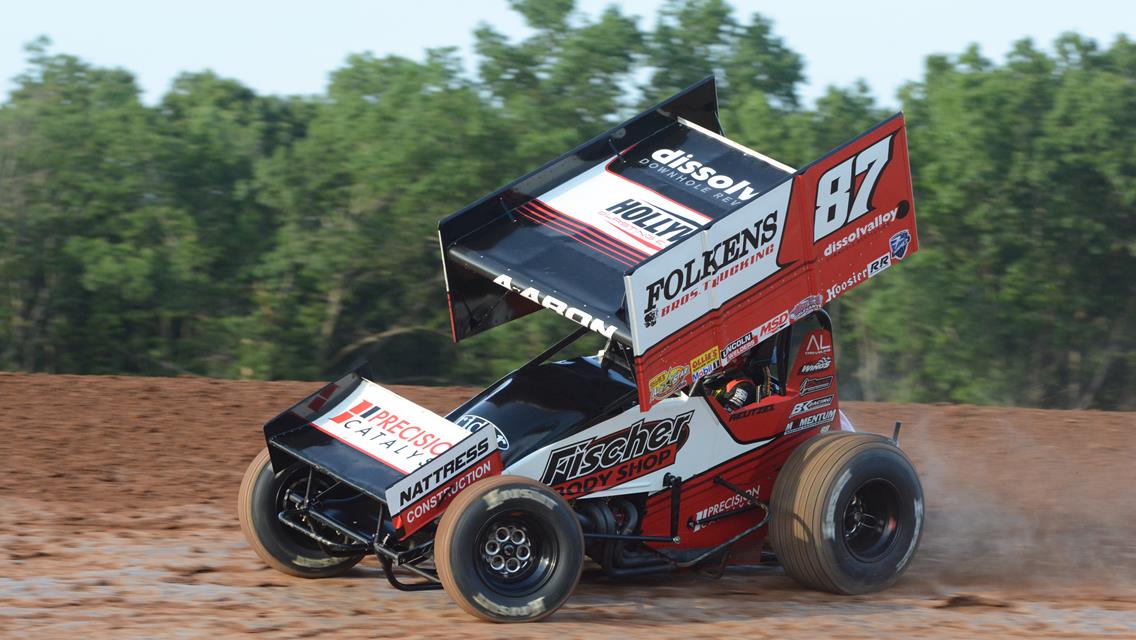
(534, 406)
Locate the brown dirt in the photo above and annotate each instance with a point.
(118, 520)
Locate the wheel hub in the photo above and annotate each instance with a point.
(507, 550)
(871, 520)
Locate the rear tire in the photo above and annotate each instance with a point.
(509, 549)
(847, 513)
(291, 552)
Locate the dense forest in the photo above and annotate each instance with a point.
(223, 233)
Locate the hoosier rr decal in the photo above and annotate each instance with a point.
(604, 462)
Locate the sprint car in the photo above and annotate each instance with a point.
(705, 432)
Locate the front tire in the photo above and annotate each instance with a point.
(509, 549)
(847, 513)
(261, 498)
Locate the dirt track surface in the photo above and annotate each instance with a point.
(118, 520)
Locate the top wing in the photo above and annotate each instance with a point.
(686, 246)
(563, 237)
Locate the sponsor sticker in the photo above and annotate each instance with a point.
(473, 424)
(390, 428)
(705, 363)
(730, 503)
(737, 347)
(665, 383)
(879, 264)
(812, 385)
(806, 306)
(775, 324)
(818, 345)
(808, 422)
(816, 365)
(420, 497)
(899, 243)
(810, 405)
(606, 461)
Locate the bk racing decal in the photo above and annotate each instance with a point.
(389, 428)
(606, 461)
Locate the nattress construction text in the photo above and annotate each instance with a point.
(421, 496)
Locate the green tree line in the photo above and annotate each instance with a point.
(224, 233)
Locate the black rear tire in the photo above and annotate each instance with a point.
(509, 549)
(260, 499)
(847, 513)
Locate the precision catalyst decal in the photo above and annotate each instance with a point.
(603, 462)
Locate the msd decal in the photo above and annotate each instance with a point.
(604, 462)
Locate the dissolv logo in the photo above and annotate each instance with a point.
(694, 171)
(605, 461)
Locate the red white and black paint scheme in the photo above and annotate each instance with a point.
(692, 257)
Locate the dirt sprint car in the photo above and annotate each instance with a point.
(707, 427)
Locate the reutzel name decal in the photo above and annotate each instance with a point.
(603, 462)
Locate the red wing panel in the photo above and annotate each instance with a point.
(786, 253)
(860, 211)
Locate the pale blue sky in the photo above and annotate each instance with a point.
(289, 47)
